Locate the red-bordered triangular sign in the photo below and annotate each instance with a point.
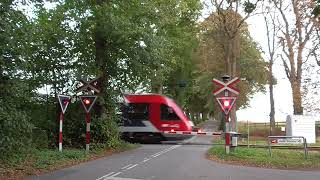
(226, 103)
(64, 101)
(88, 102)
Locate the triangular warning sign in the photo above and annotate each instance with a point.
(87, 102)
(226, 103)
(64, 102)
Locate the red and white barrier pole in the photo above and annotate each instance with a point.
(60, 131)
(87, 131)
(227, 128)
(227, 134)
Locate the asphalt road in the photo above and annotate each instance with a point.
(171, 162)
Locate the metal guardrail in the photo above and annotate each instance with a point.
(289, 137)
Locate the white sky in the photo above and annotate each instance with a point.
(260, 104)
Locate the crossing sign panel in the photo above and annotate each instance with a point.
(64, 101)
(89, 85)
(226, 86)
(88, 102)
(226, 103)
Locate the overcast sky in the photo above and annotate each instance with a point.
(260, 104)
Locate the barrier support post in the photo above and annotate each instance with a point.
(60, 131)
(88, 131)
(227, 135)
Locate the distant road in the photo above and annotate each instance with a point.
(171, 162)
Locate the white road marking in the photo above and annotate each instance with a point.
(105, 176)
(116, 174)
(145, 160)
(111, 176)
(161, 151)
(126, 166)
(119, 178)
(156, 155)
(132, 166)
(164, 151)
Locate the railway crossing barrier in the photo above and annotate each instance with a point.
(233, 140)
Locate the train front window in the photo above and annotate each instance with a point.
(168, 114)
(137, 111)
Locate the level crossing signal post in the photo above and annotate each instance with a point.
(226, 102)
(64, 101)
(87, 103)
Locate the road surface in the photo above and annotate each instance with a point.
(171, 162)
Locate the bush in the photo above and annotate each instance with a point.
(105, 131)
(15, 132)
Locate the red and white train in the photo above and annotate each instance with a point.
(145, 117)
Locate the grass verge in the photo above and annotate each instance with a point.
(281, 158)
(39, 161)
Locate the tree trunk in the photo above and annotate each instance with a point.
(297, 100)
(100, 60)
(272, 110)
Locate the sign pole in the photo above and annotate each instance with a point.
(64, 101)
(88, 131)
(60, 131)
(87, 102)
(227, 124)
(227, 134)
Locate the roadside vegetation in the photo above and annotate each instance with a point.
(281, 158)
(37, 161)
(259, 157)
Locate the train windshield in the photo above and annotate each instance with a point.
(134, 113)
(168, 114)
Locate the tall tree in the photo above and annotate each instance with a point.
(122, 42)
(271, 32)
(15, 93)
(231, 23)
(296, 37)
(210, 62)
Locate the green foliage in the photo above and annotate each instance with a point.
(105, 131)
(281, 158)
(316, 10)
(15, 132)
(210, 61)
(249, 7)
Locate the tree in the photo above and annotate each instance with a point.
(271, 32)
(296, 42)
(122, 42)
(210, 62)
(15, 126)
(232, 22)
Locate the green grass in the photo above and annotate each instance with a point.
(49, 158)
(44, 160)
(281, 158)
